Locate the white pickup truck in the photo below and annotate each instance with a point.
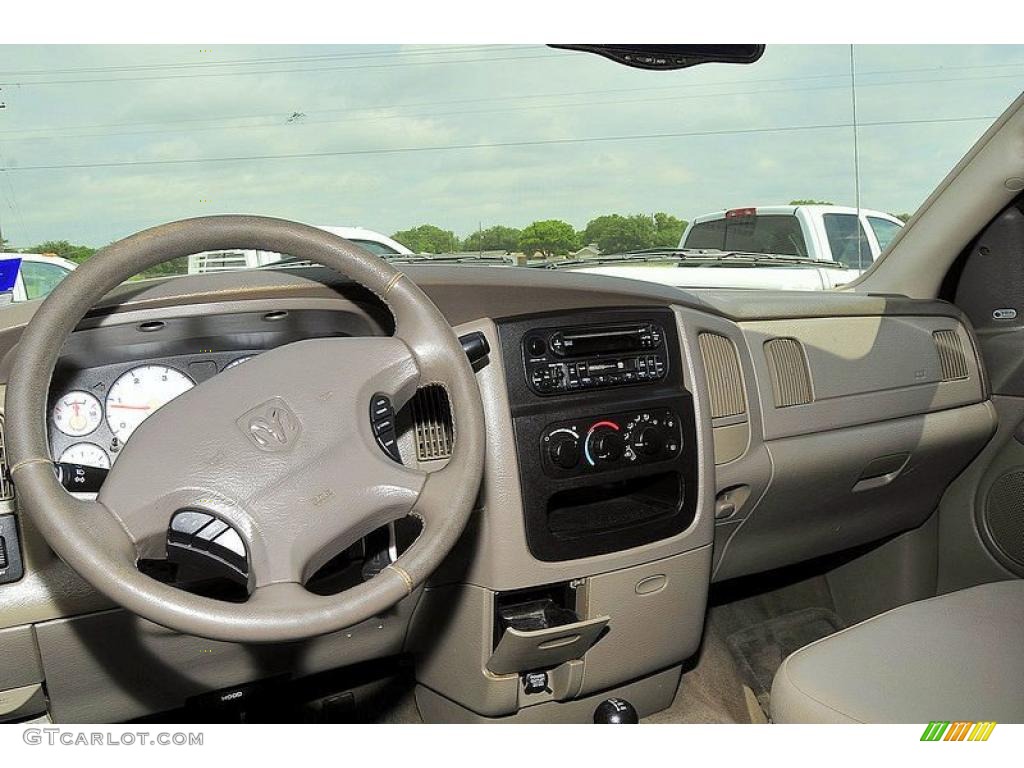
(785, 247)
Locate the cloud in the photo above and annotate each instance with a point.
(368, 99)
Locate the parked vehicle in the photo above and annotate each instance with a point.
(37, 274)
(785, 247)
(227, 261)
(831, 233)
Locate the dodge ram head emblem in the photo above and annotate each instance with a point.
(270, 426)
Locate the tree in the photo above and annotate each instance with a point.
(811, 202)
(550, 237)
(427, 238)
(668, 230)
(614, 233)
(904, 217)
(79, 253)
(497, 238)
(64, 249)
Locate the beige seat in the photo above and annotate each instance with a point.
(959, 656)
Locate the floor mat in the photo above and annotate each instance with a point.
(760, 648)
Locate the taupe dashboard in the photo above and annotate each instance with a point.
(816, 422)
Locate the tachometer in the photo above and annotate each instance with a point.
(77, 413)
(89, 454)
(137, 394)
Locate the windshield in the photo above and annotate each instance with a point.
(508, 156)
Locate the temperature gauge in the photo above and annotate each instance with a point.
(77, 413)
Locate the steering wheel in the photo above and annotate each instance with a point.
(281, 449)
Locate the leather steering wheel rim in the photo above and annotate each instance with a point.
(102, 539)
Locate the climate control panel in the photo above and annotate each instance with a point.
(633, 438)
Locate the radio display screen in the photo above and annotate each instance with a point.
(601, 342)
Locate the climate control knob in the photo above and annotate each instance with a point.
(604, 443)
(564, 451)
(650, 442)
(607, 446)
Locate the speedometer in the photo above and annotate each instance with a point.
(137, 394)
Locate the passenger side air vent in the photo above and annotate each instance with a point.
(725, 383)
(6, 486)
(951, 355)
(432, 423)
(787, 365)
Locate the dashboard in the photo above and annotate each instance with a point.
(642, 442)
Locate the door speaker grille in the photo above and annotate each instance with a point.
(432, 423)
(1004, 515)
(791, 381)
(725, 384)
(951, 355)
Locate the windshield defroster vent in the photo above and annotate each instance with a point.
(725, 383)
(432, 423)
(951, 355)
(6, 486)
(791, 381)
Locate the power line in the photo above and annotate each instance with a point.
(194, 75)
(487, 145)
(375, 110)
(420, 51)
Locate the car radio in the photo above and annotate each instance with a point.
(560, 360)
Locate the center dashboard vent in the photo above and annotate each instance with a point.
(952, 359)
(432, 423)
(725, 382)
(6, 486)
(787, 364)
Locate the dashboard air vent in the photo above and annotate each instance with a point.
(787, 365)
(951, 355)
(725, 384)
(432, 423)
(6, 486)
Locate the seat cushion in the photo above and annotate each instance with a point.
(959, 656)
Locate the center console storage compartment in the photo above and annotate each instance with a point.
(614, 506)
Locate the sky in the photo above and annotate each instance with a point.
(97, 142)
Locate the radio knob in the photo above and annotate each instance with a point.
(607, 445)
(650, 442)
(564, 452)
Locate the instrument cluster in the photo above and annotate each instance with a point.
(96, 411)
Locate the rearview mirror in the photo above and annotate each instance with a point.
(671, 56)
